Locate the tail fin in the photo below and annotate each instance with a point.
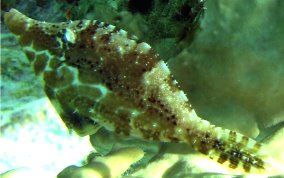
(234, 149)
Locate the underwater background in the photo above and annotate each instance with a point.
(226, 55)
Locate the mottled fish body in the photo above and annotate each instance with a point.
(97, 75)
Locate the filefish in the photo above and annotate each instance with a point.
(98, 75)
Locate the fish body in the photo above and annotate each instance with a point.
(97, 75)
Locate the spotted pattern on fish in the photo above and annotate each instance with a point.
(97, 75)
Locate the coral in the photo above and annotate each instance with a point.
(111, 165)
(104, 142)
(33, 137)
(22, 172)
(273, 143)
